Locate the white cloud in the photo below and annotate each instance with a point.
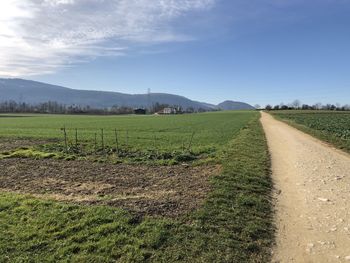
(42, 36)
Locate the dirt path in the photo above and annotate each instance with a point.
(312, 182)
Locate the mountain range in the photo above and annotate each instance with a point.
(33, 92)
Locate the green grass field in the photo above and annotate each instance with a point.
(211, 129)
(234, 224)
(332, 127)
(161, 139)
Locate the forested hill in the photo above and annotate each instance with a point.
(33, 92)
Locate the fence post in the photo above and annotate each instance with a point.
(190, 144)
(95, 142)
(76, 138)
(116, 139)
(65, 139)
(102, 140)
(127, 139)
(155, 140)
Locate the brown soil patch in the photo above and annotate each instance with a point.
(145, 190)
(8, 144)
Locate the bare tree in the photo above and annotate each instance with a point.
(318, 106)
(296, 104)
(268, 107)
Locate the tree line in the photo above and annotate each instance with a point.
(53, 107)
(297, 105)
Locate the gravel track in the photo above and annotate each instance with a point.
(312, 190)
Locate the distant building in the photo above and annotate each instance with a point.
(140, 111)
(168, 110)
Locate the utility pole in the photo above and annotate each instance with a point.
(149, 99)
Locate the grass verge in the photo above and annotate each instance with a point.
(322, 134)
(234, 224)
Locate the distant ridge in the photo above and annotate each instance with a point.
(234, 105)
(33, 92)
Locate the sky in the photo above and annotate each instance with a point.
(257, 51)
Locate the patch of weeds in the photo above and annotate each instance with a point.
(70, 157)
(185, 157)
(112, 155)
(30, 153)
